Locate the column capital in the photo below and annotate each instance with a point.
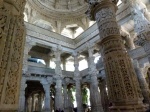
(47, 81)
(75, 54)
(95, 6)
(76, 60)
(57, 52)
(67, 81)
(90, 47)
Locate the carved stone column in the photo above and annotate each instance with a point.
(47, 102)
(58, 95)
(58, 77)
(22, 96)
(47, 61)
(142, 82)
(96, 105)
(33, 106)
(77, 79)
(103, 93)
(27, 48)
(66, 103)
(70, 103)
(12, 38)
(123, 87)
(64, 64)
(40, 102)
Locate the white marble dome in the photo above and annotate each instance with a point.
(60, 9)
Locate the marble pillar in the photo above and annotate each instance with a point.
(66, 103)
(70, 103)
(96, 105)
(58, 77)
(33, 103)
(142, 81)
(40, 102)
(12, 37)
(58, 95)
(104, 95)
(47, 61)
(123, 87)
(47, 100)
(64, 64)
(22, 96)
(28, 46)
(77, 79)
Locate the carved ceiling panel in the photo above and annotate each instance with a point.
(60, 9)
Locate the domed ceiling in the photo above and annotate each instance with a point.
(60, 9)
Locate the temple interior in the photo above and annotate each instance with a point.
(74, 55)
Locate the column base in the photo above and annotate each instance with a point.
(129, 108)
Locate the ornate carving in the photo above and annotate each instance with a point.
(142, 28)
(122, 82)
(107, 22)
(12, 38)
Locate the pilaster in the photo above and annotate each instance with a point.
(12, 37)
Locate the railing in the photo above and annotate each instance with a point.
(40, 70)
(51, 72)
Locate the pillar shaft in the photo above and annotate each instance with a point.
(58, 95)
(79, 95)
(11, 52)
(32, 105)
(70, 103)
(47, 101)
(58, 72)
(96, 105)
(77, 78)
(64, 64)
(66, 103)
(27, 48)
(122, 82)
(47, 61)
(104, 96)
(40, 102)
